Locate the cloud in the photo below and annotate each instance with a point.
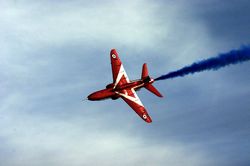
(226, 21)
(53, 55)
(40, 140)
(50, 23)
(36, 139)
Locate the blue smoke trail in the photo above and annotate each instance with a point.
(214, 63)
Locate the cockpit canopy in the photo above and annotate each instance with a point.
(110, 85)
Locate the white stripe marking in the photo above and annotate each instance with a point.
(119, 76)
(135, 99)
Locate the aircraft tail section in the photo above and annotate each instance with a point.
(147, 79)
(152, 89)
(144, 73)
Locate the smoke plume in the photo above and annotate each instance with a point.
(214, 63)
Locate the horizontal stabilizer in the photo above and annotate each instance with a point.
(152, 89)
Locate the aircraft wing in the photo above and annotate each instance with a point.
(119, 74)
(131, 98)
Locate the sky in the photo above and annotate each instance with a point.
(53, 54)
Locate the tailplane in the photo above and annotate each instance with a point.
(147, 79)
(152, 89)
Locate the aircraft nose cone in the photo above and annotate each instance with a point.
(90, 97)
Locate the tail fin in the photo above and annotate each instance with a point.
(144, 73)
(145, 76)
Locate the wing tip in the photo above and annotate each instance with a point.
(146, 118)
(113, 51)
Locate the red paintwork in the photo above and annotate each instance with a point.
(124, 88)
(110, 92)
(102, 94)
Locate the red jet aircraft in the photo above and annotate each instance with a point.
(124, 88)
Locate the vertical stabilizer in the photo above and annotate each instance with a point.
(147, 80)
(144, 73)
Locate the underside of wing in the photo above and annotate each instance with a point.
(131, 98)
(119, 74)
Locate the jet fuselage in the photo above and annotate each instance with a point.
(125, 89)
(111, 92)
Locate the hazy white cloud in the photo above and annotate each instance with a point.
(53, 54)
(133, 22)
(40, 140)
(38, 88)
